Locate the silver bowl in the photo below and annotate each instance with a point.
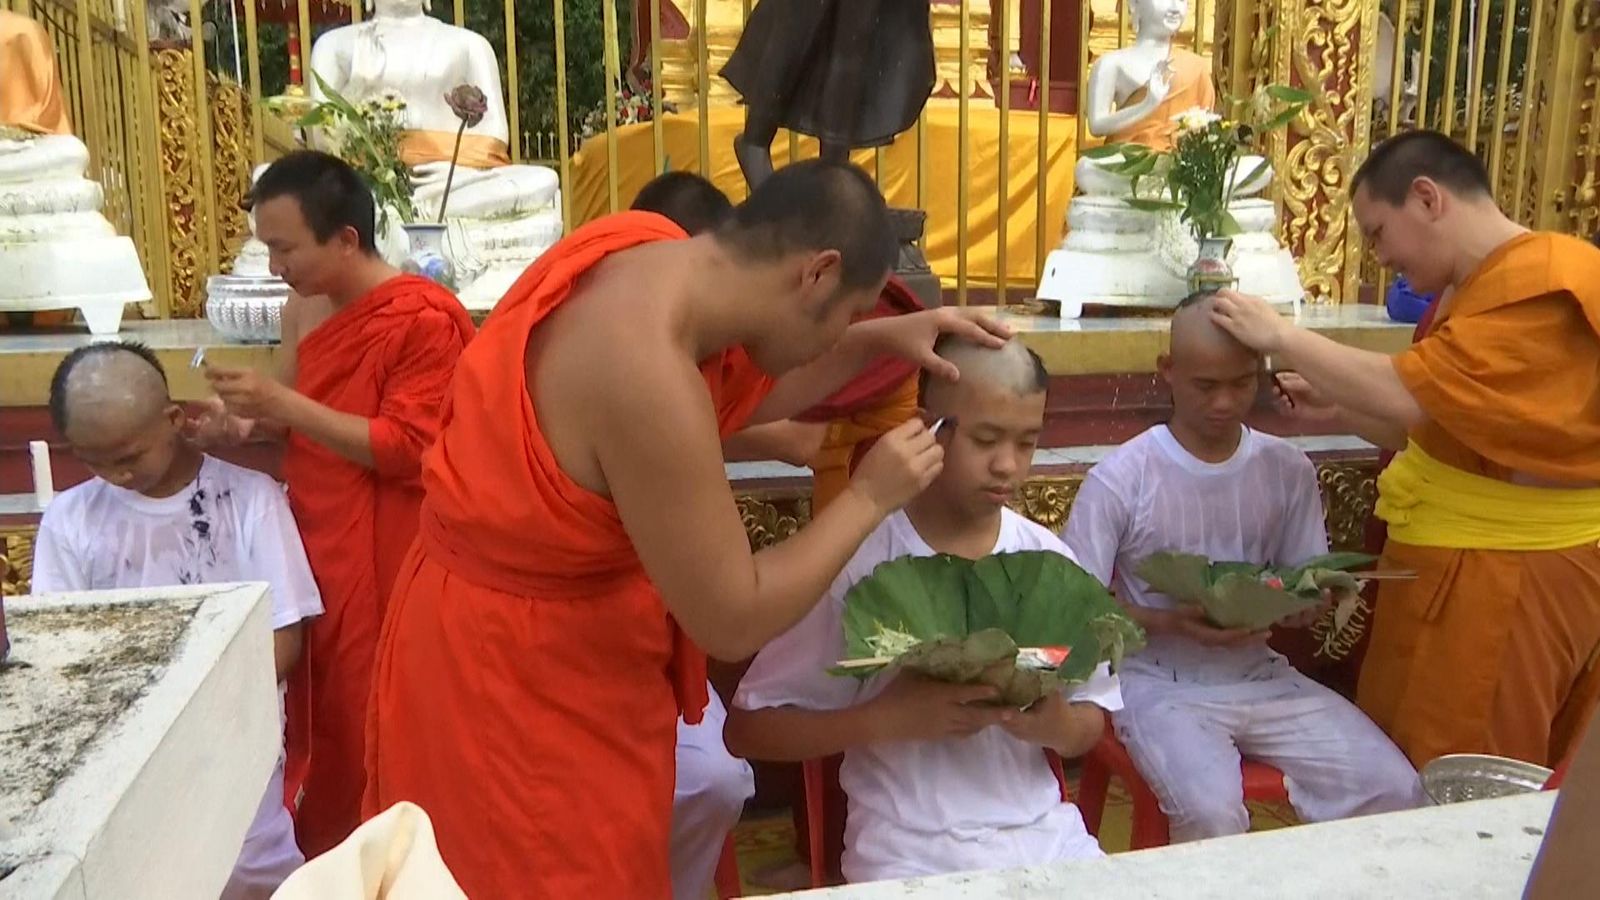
(245, 308)
(1460, 777)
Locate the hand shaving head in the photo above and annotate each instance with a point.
(1214, 378)
(111, 402)
(993, 415)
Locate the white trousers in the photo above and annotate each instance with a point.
(269, 854)
(880, 849)
(1186, 740)
(709, 796)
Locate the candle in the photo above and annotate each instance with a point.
(44, 487)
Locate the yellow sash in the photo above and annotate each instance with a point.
(1430, 504)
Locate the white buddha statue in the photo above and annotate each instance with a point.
(1136, 92)
(1116, 255)
(60, 252)
(508, 213)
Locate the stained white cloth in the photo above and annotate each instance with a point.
(709, 795)
(927, 807)
(230, 524)
(1190, 709)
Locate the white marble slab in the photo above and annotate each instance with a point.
(1318, 317)
(1460, 852)
(157, 803)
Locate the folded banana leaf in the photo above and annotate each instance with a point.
(1246, 595)
(963, 621)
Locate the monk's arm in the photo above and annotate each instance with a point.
(805, 387)
(1373, 430)
(286, 644)
(788, 441)
(792, 734)
(344, 433)
(1358, 381)
(1567, 865)
(661, 459)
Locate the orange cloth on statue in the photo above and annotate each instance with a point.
(1496, 651)
(477, 151)
(1191, 87)
(527, 671)
(30, 86)
(388, 356)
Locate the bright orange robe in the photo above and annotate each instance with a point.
(1495, 651)
(527, 673)
(387, 356)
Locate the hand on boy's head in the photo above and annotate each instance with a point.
(913, 336)
(913, 708)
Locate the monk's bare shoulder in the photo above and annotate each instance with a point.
(610, 358)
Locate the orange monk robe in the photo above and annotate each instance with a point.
(1191, 87)
(528, 670)
(1495, 651)
(388, 356)
(30, 86)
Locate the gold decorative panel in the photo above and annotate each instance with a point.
(1327, 48)
(184, 166)
(16, 560)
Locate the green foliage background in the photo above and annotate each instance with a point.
(536, 51)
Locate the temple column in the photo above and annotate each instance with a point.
(1327, 48)
(1561, 178)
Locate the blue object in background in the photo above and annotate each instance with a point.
(1404, 304)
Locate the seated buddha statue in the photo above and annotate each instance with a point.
(1116, 255)
(60, 251)
(1135, 93)
(509, 213)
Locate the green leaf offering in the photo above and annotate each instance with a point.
(1027, 623)
(1246, 595)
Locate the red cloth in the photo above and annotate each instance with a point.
(387, 356)
(883, 375)
(527, 670)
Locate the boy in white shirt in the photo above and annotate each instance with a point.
(936, 783)
(1197, 696)
(158, 512)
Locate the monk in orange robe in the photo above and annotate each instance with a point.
(372, 355)
(1494, 502)
(576, 516)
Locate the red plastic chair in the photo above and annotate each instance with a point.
(727, 880)
(1109, 758)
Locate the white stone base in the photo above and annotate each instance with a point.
(1117, 256)
(500, 250)
(158, 805)
(97, 276)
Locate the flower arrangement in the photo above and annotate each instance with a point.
(367, 136)
(634, 98)
(1200, 175)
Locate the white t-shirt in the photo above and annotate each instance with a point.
(1260, 506)
(231, 524)
(926, 807)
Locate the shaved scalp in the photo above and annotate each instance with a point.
(816, 205)
(108, 386)
(1011, 367)
(1398, 162)
(692, 202)
(1194, 332)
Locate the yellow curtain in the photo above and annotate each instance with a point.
(681, 139)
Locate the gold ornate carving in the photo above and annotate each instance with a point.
(1349, 492)
(1326, 47)
(771, 516)
(16, 560)
(180, 167)
(1048, 498)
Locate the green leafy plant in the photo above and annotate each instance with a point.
(1200, 175)
(1246, 595)
(367, 136)
(1027, 623)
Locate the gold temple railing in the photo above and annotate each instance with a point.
(174, 128)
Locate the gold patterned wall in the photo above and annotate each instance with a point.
(186, 168)
(1327, 48)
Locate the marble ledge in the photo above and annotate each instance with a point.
(1068, 346)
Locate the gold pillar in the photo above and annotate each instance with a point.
(1565, 143)
(1327, 49)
